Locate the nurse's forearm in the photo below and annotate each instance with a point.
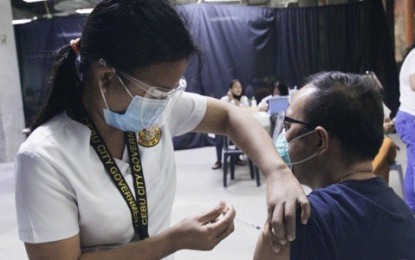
(245, 131)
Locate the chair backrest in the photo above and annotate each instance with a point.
(277, 104)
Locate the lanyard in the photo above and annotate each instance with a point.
(138, 207)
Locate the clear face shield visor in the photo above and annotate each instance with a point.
(157, 103)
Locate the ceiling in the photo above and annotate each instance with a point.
(24, 10)
(49, 8)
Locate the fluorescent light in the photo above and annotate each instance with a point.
(84, 11)
(21, 21)
(221, 1)
(33, 1)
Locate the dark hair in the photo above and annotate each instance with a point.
(233, 83)
(350, 107)
(128, 35)
(282, 88)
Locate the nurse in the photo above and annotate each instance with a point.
(96, 178)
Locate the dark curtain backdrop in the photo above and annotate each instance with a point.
(253, 44)
(36, 44)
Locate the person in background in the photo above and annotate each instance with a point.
(96, 178)
(235, 94)
(405, 123)
(235, 97)
(278, 89)
(332, 131)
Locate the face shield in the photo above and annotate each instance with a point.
(154, 108)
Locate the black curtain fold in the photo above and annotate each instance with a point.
(253, 44)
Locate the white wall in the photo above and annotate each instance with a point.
(11, 105)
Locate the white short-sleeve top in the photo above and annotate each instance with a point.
(244, 102)
(62, 188)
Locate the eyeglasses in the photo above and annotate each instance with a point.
(292, 120)
(283, 122)
(286, 121)
(154, 91)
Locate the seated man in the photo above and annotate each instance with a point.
(333, 130)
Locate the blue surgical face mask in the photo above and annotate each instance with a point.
(282, 148)
(137, 116)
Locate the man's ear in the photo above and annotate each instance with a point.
(324, 140)
(105, 76)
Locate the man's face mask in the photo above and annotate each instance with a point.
(282, 146)
(148, 112)
(281, 142)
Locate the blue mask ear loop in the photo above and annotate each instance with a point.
(306, 159)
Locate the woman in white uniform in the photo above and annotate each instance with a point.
(96, 178)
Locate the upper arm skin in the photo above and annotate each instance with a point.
(216, 116)
(245, 132)
(263, 250)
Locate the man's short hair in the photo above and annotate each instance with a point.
(350, 107)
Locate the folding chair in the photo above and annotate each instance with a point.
(230, 154)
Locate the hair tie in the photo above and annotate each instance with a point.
(75, 45)
(102, 62)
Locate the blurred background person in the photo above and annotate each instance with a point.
(405, 122)
(235, 96)
(278, 89)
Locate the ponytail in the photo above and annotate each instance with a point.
(64, 86)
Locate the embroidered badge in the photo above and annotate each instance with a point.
(149, 138)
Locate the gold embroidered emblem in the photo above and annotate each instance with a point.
(149, 138)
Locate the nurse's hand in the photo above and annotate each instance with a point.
(206, 230)
(284, 197)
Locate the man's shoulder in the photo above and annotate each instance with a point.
(341, 211)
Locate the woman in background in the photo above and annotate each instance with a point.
(234, 96)
(278, 89)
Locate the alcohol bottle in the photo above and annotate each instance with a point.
(253, 102)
